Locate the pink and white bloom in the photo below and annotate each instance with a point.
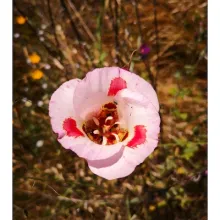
(110, 118)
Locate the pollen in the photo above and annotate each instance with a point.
(104, 129)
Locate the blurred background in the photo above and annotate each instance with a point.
(57, 40)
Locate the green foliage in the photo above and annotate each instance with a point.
(180, 115)
(190, 150)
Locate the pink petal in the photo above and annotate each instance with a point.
(89, 150)
(132, 97)
(107, 162)
(136, 109)
(116, 85)
(92, 91)
(61, 105)
(139, 154)
(119, 169)
(139, 136)
(114, 167)
(91, 105)
(139, 114)
(137, 84)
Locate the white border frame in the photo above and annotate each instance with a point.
(213, 109)
(6, 110)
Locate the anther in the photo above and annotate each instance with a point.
(104, 140)
(108, 118)
(96, 132)
(96, 121)
(116, 137)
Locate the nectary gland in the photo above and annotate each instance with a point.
(104, 128)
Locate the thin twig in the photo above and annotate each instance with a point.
(115, 27)
(130, 60)
(20, 210)
(76, 32)
(58, 198)
(55, 35)
(138, 18)
(79, 37)
(53, 25)
(86, 28)
(38, 179)
(157, 43)
(151, 76)
(129, 64)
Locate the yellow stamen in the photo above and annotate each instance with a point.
(104, 141)
(116, 137)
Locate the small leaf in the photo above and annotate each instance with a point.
(162, 203)
(102, 56)
(152, 208)
(159, 185)
(173, 91)
(183, 116)
(135, 200)
(181, 170)
(190, 150)
(177, 74)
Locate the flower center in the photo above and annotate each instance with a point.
(104, 128)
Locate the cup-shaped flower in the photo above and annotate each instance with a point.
(110, 118)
